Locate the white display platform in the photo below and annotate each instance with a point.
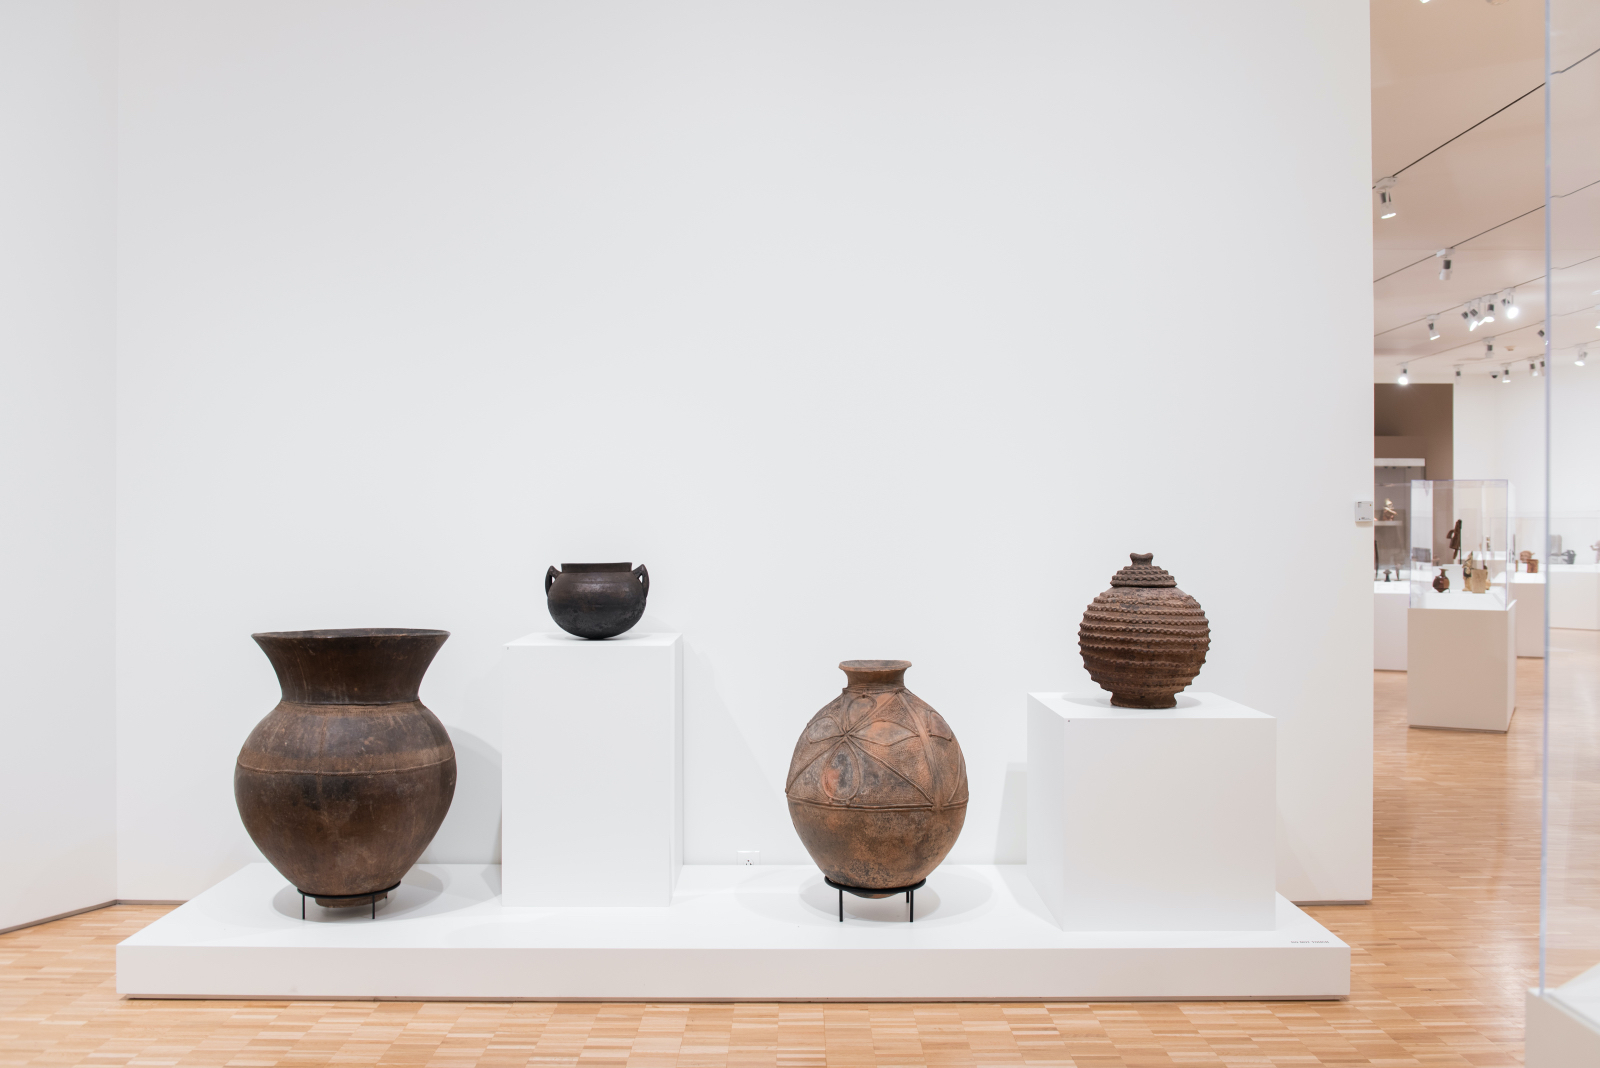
(1462, 666)
(591, 792)
(1528, 590)
(1563, 1027)
(1574, 591)
(1152, 819)
(762, 932)
(1390, 601)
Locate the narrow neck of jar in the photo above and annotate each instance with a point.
(867, 680)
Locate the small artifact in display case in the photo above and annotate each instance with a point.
(1441, 581)
(877, 787)
(1454, 538)
(1388, 514)
(346, 781)
(596, 600)
(1144, 639)
(1530, 563)
(1474, 578)
(1568, 557)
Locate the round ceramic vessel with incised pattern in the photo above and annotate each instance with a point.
(877, 788)
(1144, 639)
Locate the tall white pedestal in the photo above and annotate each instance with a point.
(1390, 601)
(592, 770)
(1528, 591)
(1152, 820)
(1574, 591)
(1563, 1027)
(1462, 671)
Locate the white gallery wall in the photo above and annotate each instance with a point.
(869, 328)
(1499, 433)
(57, 342)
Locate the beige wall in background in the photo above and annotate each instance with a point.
(1416, 420)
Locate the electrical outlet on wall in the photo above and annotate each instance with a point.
(749, 856)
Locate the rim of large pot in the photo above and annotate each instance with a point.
(353, 632)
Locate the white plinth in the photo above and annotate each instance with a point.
(1563, 1027)
(1390, 600)
(764, 932)
(1528, 591)
(1149, 820)
(1574, 591)
(592, 770)
(1462, 667)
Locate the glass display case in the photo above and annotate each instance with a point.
(1391, 538)
(1460, 537)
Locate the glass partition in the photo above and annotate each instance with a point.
(1564, 1010)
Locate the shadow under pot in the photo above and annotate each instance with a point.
(877, 787)
(596, 600)
(346, 781)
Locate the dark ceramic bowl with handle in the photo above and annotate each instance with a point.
(596, 600)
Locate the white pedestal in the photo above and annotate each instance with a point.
(1528, 591)
(592, 770)
(1151, 820)
(766, 932)
(1462, 670)
(1563, 1027)
(1574, 591)
(1390, 601)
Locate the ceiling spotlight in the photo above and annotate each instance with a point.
(1583, 354)
(1433, 330)
(1533, 370)
(1386, 208)
(1458, 370)
(1488, 350)
(1446, 255)
(1488, 312)
(1505, 375)
(1508, 304)
(1404, 379)
(1473, 315)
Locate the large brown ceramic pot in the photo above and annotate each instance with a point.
(346, 781)
(877, 787)
(1144, 639)
(596, 600)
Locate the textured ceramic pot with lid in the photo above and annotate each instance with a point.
(1144, 639)
(346, 781)
(877, 787)
(596, 600)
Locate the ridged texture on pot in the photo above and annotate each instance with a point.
(346, 781)
(877, 787)
(596, 600)
(1144, 639)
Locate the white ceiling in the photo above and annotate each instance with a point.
(1438, 68)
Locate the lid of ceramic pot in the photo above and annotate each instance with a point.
(1142, 573)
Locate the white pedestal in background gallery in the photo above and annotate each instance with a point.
(1152, 819)
(592, 770)
(1563, 1027)
(1574, 591)
(1528, 591)
(1390, 600)
(762, 932)
(1462, 666)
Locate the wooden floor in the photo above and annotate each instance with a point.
(1440, 962)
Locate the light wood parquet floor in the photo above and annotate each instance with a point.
(1440, 962)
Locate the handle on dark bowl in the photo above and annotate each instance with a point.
(644, 577)
(549, 579)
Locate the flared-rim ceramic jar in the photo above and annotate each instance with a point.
(347, 779)
(877, 787)
(1144, 639)
(596, 601)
